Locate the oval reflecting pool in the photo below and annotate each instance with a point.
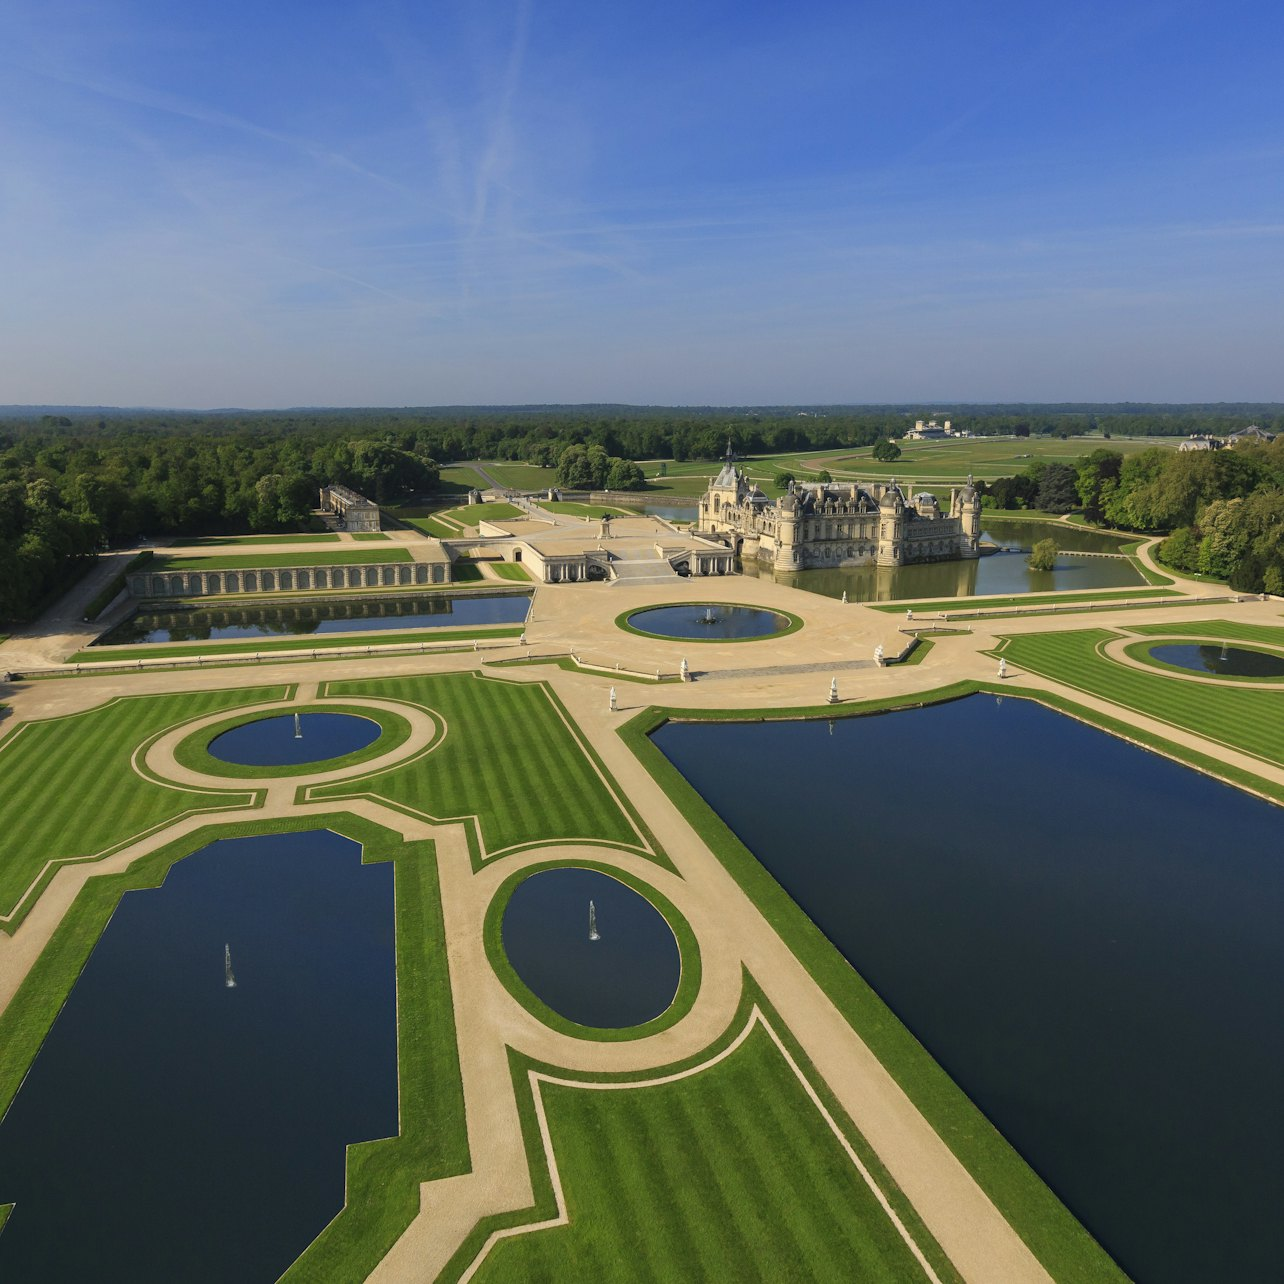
(1226, 661)
(624, 972)
(290, 739)
(708, 621)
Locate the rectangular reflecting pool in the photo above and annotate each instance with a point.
(383, 615)
(1086, 936)
(174, 1127)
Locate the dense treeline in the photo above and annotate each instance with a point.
(72, 483)
(65, 496)
(1224, 508)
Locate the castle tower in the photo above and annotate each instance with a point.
(725, 491)
(891, 526)
(966, 506)
(788, 552)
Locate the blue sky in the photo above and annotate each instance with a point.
(215, 204)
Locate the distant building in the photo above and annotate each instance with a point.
(1199, 443)
(1250, 436)
(356, 512)
(930, 431)
(839, 523)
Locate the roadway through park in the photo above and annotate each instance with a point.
(575, 625)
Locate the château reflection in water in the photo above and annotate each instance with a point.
(997, 574)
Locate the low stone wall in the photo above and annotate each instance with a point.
(286, 579)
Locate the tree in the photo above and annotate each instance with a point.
(783, 481)
(824, 476)
(886, 451)
(1057, 490)
(1043, 557)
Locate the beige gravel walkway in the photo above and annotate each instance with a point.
(731, 932)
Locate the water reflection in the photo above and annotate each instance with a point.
(1228, 661)
(175, 1128)
(1000, 574)
(614, 966)
(1085, 935)
(375, 614)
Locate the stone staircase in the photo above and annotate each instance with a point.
(640, 570)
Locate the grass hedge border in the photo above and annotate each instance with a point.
(193, 751)
(1141, 652)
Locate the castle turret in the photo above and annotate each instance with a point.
(966, 506)
(788, 550)
(891, 526)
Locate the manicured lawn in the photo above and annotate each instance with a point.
(508, 757)
(462, 478)
(521, 476)
(71, 791)
(209, 541)
(1248, 720)
(366, 537)
(471, 514)
(731, 1174)
(302, 642)
(1027, 601)
(269, 561)
(511, 571)
(1267, 634)
(430, 526)
(984, 457)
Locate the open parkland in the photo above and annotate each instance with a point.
(777, 1122)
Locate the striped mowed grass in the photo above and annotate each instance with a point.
(508, 757)
(68, 788)
(272, 561)
(729, 1174)
(1266, 634)
(1244, 719)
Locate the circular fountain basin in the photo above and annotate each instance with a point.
(626, 977)
(1226, 662)
(273, 742)
(709, 622)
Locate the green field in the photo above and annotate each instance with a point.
(767, 1194)
(1222, 630)
(212, 541)
(366, 537)
(957, 606)
(87, 757)
(461, 478)
(511, 571)
(1248, 720)
(939, 462)
(505, 743)
(520, 476)
(459, 522)
(429, 526)
(272, 561)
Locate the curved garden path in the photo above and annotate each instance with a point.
(732, 934)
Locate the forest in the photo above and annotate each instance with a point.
(74, 482)
(1223, 510)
